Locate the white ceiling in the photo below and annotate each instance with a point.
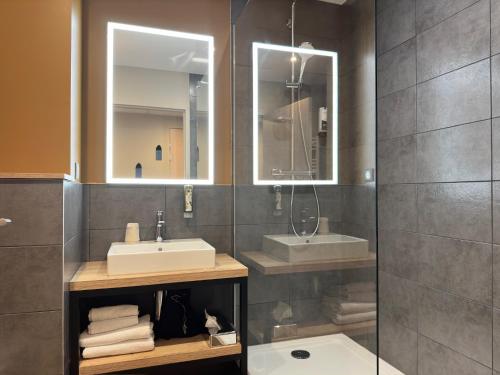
(151, 51)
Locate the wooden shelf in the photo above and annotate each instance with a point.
(321, 328)
(165, 352)
(94, 275)
(268, 265)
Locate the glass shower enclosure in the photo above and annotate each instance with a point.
(304, 135)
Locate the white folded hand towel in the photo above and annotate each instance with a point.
(112, 312)
(126, 347)
(141, 331)
(354, 318)
(112, 324)
(343, 307)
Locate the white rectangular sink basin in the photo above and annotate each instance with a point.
(332, 246)
(150, 256)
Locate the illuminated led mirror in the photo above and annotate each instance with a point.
(295, 115)
(160, 106)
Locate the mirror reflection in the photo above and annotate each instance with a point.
(295, 115)
(160, 106)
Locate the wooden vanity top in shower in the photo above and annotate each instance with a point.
(94, 275)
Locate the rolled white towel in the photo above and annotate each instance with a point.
(112, 312)
(126, 347)
(354, 318)
(141, 331)
(112, 324)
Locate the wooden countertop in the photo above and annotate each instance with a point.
(94, 275)
(268, 265)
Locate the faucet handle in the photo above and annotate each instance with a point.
(159, 214)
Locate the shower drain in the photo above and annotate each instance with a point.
(300, 354)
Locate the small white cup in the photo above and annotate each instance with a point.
(323, 228)
(132, 232)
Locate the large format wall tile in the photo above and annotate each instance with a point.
(398, 300)
(431, 12)
(454, 43)
(397, 69)
(398, 207)
(496, 148)
(495, 27)
(460, 210)
(436, 359)
(462, 267)
(495, 83)
(31, 343)
(73, 209)
(396, 160)
(112, 207)
(496, 212)
(460, 324)
(496, 276)
(496, 339)
(398, 253)
(455, 98)
(212, 205)
(461, 153)
(30, 279)
(37, 211)
(398, 346)
(395, 25)
(397, 114)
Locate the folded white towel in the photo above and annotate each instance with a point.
(112, 324)
(354, 318)
(126, 347)
(366, 297)
(343, 307)
(141, 331)
(112, 312)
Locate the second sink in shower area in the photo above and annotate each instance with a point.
(304, 176)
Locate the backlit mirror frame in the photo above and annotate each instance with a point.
(333, 129)
(112, 26)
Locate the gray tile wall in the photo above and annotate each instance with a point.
(31, 277)
(111, 207)
(439, 215)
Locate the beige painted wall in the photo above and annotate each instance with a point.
(198, 16)
(39, 95)
(136, 137)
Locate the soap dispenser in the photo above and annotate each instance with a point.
(188, 201)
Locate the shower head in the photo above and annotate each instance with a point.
(304, 57)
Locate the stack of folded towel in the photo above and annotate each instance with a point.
(116, 330)
(353, 303)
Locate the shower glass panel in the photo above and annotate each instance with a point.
(304, 128)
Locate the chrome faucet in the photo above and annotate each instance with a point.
(160, 225)
(304, 219)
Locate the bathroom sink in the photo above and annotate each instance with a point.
(320, 247)
(150, 256)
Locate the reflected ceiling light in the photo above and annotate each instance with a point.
(201, 60)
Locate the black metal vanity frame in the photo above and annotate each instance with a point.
(74, 315)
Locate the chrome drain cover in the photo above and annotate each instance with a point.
(300, 354)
